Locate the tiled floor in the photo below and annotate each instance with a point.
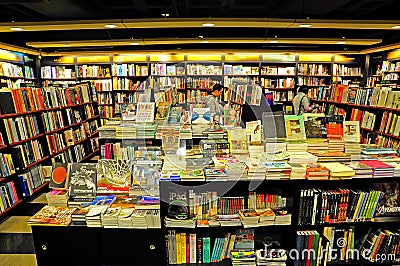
(16, 242)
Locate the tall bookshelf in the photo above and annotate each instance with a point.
(39, 127)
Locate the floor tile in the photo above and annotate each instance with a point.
(15, 224)
(40, 199)
(16, 244)
(18, 260)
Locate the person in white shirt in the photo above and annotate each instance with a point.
(212, 101)
(301, 104)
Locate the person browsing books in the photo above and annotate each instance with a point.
(301, 104)
(216, 106)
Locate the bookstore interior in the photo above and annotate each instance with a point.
(195, 154)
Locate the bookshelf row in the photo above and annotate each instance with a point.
(41, 127)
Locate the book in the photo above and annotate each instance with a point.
(59, 176)
(295, 130)
(52, 216)
(145, 112)
(162, 110)
(83, 180)
(253, 129)
(351, 131)
(113, 176)
(315, 125)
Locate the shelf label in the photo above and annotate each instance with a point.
(130, 58)
(166, 57)
(93, 59)
(315, 58)
(279, 57)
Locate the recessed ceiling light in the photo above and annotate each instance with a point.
(201, 36)
(134, 43)
(304, 25)
(110, 26)
(17, 29)
(165, 15)
(208, 24)
(340, 42)
(396, 27)
(273, 41)
(204, 42)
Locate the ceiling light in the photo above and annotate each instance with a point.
(304, 25)
(340, 42)
(273, 41)
(208, 24)
(396, 27)
(110, 26)
(17, 29)
(67, 45)
(134, 43)
(204, 42)
(165, 15)
(201, 36)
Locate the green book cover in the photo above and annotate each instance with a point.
(206, 250)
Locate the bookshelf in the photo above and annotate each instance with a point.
(40, 127)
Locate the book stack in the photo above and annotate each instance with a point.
(282, 217)
(374, 151)
(109, 219)
(352, 148)
(396, 166)
(243, 257)
(146, 131)
(249, 218)
(277, 170)
(52, 215)
(361, 170)
(126, 131)
(271, 258)
(332, 156)
(379, 168)
(256, 169)
(192, 175)
(267, 217)
(229, 220)
(185, 132)
(138, 219)
(336, 145)
(153, 219)
(296, 146)
(315, 171)
(124, 218)
(237, 170)
(108, 131)
(339, 171)
(317, 145)
(93, 217)
(57, 197)
(298, 171)
(302, 157)
(79, 215)
(216, 173)
(190, 222)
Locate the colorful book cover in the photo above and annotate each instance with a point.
(295, 130)
(145, 112)
(351, 131)
(113, 176)
(59, 176)
(315, 126)
(389, 203)
(253, 129)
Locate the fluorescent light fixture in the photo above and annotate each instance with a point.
(134, 43)
(273, 41)
(204, 42)
(110, 26)
(17, 29)
(208, 24)
(396, 27)
(67, 45)
(305, 25)
(340, 42)
(165, 15)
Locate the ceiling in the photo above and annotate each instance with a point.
(13, 12)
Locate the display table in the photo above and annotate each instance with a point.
(79, 245)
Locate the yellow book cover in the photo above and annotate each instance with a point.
(183, 248)
(178, 249)
(339, 169)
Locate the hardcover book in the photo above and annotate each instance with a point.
(145, 112)
(83, 180)
(113, 176)
(351, 131)
(295, 130)
(253, 129)
(59, 176)
(315, 126)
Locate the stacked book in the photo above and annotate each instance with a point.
(296, 146)
(256, 169)
(373, 151)
(138, 219)
(277, 170)
(298, 171)
(125, 219)
(249, 217)
(153, 219)
(302, 157)
(339, 171)
(243, 257)
(126, 131)
(379, 168)
(315, 171)
(332, 156)
(93, 217)
(57, 197)
(107, 131)
(185, 132)
(271, 257)
(110, 217)
(352, 148)
(190, 222)
(229, 220)
(146, 131)
(216, 173)
(267, 217)
(396, 166)
(79, 215)
(237, 170)
(282, 217)
(317, 145)
(336, 145)
(361, 170)
(192, 175)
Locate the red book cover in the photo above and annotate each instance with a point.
(376, 164)
(187, 248)
(310, 242)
